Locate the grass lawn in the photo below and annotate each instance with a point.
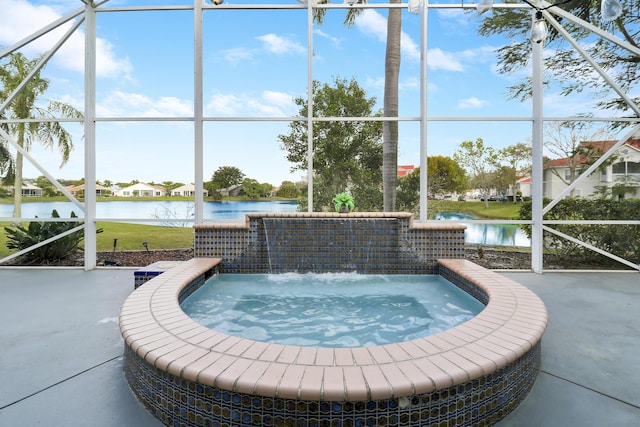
(496, 210)
(130, 237)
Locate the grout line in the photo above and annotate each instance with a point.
(59, 382)
(590, 389)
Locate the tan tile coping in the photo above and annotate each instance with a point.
(154, 326)
(435, 225)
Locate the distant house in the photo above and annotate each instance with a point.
(188, 190)
(30, 190)
(140, 190)
(624, 168)
(76, 190)
(523, 186)
(234, 190)
(405, 170)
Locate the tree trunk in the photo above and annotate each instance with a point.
(17, 183)
(390, 129)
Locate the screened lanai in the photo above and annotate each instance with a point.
(172, 92)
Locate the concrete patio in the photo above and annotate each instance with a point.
(61, 350)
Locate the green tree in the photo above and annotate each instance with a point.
(564, 64)
(26, 106)
(502, 178)
(7, 166)
(518, 160)
(168, 186)
(288, 190)
(391, 90)
(347, 155)
(480, 161)
(408, 193)
(445, 175)
(566, 141)
(48, 189)
(252, 188)
(266, 189)
(226, 176)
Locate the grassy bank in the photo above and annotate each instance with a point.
(129, 237)
(9, 200)
(496, 210)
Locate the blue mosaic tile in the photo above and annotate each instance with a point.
(321, 244)
(483, 401)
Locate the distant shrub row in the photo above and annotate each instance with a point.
(621, 240)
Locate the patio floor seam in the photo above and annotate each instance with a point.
(35, 393)
(617, 399)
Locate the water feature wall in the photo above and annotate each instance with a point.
(376, 242)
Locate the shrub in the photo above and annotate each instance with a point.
(621, 240)
(20, 238)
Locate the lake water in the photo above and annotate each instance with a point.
(167, 212)
(488, 234)
(173, 213)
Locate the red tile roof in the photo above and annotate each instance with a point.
(598, 146)
(404, 170)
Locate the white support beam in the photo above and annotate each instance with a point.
(592, 62)
(310, 108)
(424, 23)
(90, 243)
(537, 126)
(198, 130)
(42, 170)
(45, 30)
(43, 61)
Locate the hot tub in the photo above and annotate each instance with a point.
(471, 375)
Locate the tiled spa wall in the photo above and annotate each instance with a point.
(323, 242)
(481, 402)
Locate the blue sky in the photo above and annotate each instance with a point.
(255, 64)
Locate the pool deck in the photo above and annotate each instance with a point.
(61, 350)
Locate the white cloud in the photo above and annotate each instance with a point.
(237, 54)
(120, 103)
(224, 103)
(320, 33)
(372, 23)
(280, 45)
(411, 83)
(269, 103)
(472, 102)
(442, 60)
(456, 18)
(278, 98)
(375, 82)
(21, 18)
(482, 54)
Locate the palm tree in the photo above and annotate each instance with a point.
(7, 166)
(25, 106)
(6, 163)
(6, 159)
(391, 75)
(390, 128)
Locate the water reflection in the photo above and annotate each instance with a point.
(167, 212)
(488, 234)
